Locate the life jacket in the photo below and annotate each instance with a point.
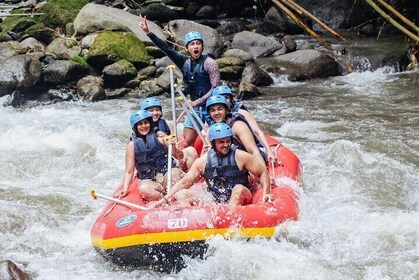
(236, 116)
(161, 125)
(222, 174)
(196, 79)
(237, 106)
(150, 156)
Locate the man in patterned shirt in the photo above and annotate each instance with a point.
(200, 74)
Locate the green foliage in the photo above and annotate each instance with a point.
(60, 12)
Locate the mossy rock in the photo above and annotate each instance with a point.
(60, 12)
(110, 47)
(41, 33)
(81, 61)
(159, 12)
(4, 37)
(19, 23)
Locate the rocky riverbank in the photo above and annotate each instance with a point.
(95, 51)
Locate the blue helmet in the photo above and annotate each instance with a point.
(219, 130)
(222, 90)
(138, 116)
(216, 99)
(193, 35)
(150, 102)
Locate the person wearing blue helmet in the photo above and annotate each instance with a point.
(243, 137)
(241, 109)
(226, 170)
(153, 106)
(200, 74)
(147, 154)
(164, 128)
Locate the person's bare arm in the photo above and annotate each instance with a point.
(258, 133)
(129, 170)
(186, 182)
(245, 161)
(244, 135)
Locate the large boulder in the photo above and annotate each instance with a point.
(255, 44)
(212, 40)
(62, 71)
(94, 17)
(109, 47)
(57, 13)
(20, 72)
(301, 65)
(91, 88)
(118, 73)
(256, 76)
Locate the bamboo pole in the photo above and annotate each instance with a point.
(301, 24)
(404, 19)
(302, 11)
(392, 21)
(24, 15)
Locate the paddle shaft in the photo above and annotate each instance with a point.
(193, 120)
(169, 167)
(188, 105)
(125, 203)
(172, 94)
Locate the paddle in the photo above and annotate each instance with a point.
(125, 203)
(170, 148)
(193, 120)
(188, 105)
(172, 95)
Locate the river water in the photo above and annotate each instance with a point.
(356, 135)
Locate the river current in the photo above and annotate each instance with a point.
(356, 135)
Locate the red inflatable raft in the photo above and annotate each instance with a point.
(153, 237)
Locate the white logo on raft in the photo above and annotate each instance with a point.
(177, 223)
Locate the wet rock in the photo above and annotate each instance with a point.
(18, 72)
(301, 65)
(33, 45)
(276, 19)
(116, 93)
(41, 33)
(191, 9)
(231, 68)
(205, 12)
(252, 74)
(62, 71)
(88, 40)
(150, 88)
(255, 44)
(159, 12)
(155, 52)
(12, 271)
(91, 88)
(62, 95)
(248, 91)
(94, 17)
(163, 81)
(148, 71)
(7, 50)
(245, 56)
(63, 48)
(118, 73)
(16, 99)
